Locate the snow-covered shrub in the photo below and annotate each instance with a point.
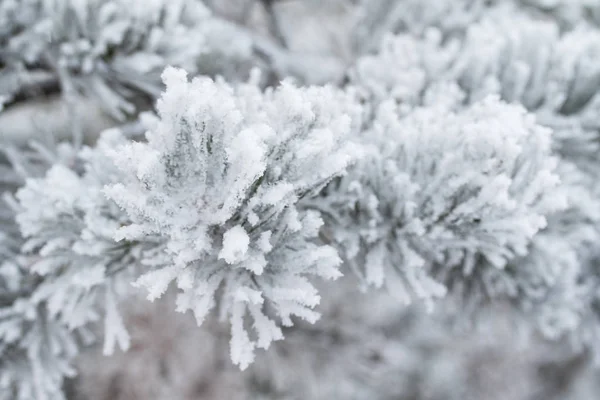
(550, 285)
(68, 226)
(221, 178)
(421, 65)
(529, 62)
(444, 192)
(515, 56)
(566, 302)
(62, 270)
(35, 352)
(112, 50)
(532, 63)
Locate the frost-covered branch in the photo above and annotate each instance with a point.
(457, 191)
(113, 51)
(551, 73)
(62, 269)
(220, 179)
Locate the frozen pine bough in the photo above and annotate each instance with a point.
(549, 72)
(222, 178)
(112, 52)
(64, 275)
(35, 352)
(69, 226)
(444, 194)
